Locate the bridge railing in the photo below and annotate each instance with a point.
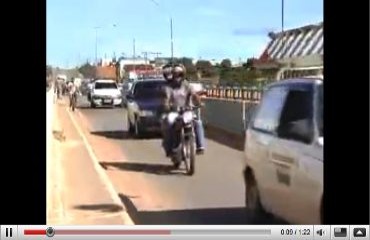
(237, 93)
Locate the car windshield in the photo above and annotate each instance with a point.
(105, 85)
(148, 89)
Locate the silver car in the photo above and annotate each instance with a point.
(284, 153)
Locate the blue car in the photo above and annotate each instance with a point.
(143, 102)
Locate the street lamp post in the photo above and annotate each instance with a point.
(171, 27)
(282, 25)
(134, 55)
(171, 40)
(96, 45)
(96, 42)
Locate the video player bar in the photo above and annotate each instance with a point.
(296, 232)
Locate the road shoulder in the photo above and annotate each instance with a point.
(79, 193)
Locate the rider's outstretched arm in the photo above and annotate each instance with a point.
(195, 97)
(165, 102)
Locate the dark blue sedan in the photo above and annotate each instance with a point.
(143, 103)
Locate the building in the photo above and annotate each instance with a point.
(293, 52)
(105, 62)
(123, 62)
(160, 61)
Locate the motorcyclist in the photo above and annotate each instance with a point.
(73, 89)
(178, 93)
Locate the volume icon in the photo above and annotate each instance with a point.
(320, 232)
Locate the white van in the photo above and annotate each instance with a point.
(284, 152)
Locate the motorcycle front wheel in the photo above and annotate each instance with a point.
(189, 155)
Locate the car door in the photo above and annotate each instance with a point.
(260, 135)
(307, 181)
(296, 160)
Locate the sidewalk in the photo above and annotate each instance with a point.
(78, 193)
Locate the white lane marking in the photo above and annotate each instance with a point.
(101, 173)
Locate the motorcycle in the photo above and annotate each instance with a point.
(184, 150)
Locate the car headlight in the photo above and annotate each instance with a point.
(118, 96)
(146, 113)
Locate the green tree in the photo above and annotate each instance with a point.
(226, 63)
(87, 70)
(225, 69)
(49, 70)
(206, 69)
(249, 63)
(190, 67)
(203, 65)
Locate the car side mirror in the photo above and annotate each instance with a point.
(301, 130)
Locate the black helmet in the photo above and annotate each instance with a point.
(179, 70)
(167, 72)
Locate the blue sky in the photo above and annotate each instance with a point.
(207, 29)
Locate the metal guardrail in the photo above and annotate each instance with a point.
(235, 93)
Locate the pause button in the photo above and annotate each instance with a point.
(8, 232)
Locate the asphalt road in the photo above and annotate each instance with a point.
(154, 193)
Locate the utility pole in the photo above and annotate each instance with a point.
(156, 54)
(171, 40)
(282, 25)
(171, 27)
(145, 58)
(152, 53)
(134, 55)
(96, 45)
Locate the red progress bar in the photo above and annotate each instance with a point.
(34, 232)
(112, 232)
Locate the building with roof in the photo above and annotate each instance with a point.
(128, 64)
(299, 49)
